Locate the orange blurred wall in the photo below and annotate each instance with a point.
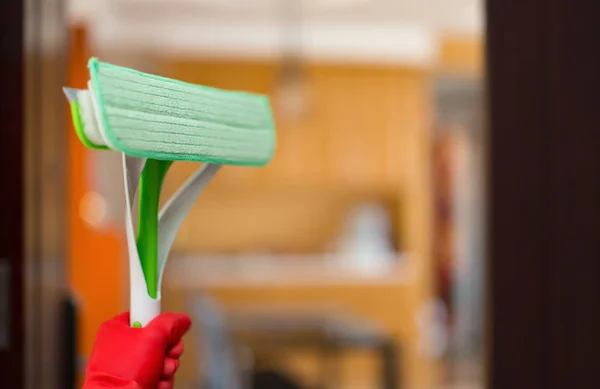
(94, 257)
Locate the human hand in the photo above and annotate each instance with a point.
(140, 358)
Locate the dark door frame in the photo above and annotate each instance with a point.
(11, 195)
(544, 187)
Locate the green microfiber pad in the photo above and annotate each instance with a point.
(144, 115)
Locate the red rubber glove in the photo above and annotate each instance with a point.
(137, 358)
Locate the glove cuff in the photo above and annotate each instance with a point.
(96, 380)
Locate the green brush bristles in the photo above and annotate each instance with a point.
(149, 116)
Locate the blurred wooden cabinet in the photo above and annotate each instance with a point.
(364, 136)
(353, 134)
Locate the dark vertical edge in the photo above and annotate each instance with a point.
(34, 24)
(544, 188)
(515, 190)
(67, 341)
(391, 378)
(11, 171)
(574, 185)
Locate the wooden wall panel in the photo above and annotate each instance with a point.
(461, 54)
(357, 139)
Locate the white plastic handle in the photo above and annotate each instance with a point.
(143, 307)
(177, 208)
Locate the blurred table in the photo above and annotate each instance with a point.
(328, 331)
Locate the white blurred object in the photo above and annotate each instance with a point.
(281, 270)
(432, 321)
(365, 240)
(291, 96)
(92, 208)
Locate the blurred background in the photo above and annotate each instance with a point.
(354, 260)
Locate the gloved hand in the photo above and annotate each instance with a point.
(137, 358)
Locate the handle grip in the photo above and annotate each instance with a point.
(143, 308)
